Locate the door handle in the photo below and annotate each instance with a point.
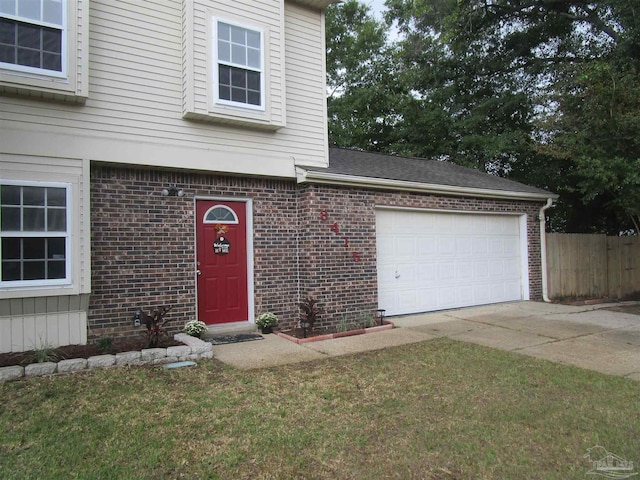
(397, 275)
(198, 272)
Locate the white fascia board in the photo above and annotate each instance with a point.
(311, 176)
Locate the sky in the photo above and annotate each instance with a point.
(377, 6)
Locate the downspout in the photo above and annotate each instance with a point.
(543, 249)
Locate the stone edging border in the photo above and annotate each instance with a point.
(193, 349)
(379, 328)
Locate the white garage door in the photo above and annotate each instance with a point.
(433, 261)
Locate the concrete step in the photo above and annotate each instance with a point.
(229, 329)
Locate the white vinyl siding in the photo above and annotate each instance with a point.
(35, 314)
(135, 113)
(72, 176)
(201, 101)
(30, 323)
(37, 75)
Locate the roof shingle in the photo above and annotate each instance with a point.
(418, 170)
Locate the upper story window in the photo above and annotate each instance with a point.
(239, 65)
(35, 234)
(33, 36)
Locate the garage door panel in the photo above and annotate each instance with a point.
(480, 246)
(435, 260)
(427, 273)
(427, 247)
(406, 247)
(446, 246)
(464, 271)
(446, 271)
(464, 246)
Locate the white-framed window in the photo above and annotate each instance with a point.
(238, 65)
(220, 214)
(35, 234)
(33, 36)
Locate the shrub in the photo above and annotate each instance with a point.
(267, 319)
(195, 328)
(155, 324)
(309, 312)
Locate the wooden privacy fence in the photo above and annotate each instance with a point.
(580, 265)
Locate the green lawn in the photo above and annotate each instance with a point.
(435, 410)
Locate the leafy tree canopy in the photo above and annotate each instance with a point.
(543, 91)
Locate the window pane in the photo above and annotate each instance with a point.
(29, 9)
(56, 197)
(33, 195)
(33, 220)
(224, 51)
(253, 39)
(220, 214)
(8, 7)
(55, 248)
(55, 270)
(238, 54)
(56, 220)
(28, 58)
(11, 271)
(224, 93)
(253, 98)
(238, 95)
(7, 32)
(7, 54)
(9, 195)
(29, 36)
(33, 248)
(238, 78)
(51, 40)
(52, 11)
(253, 58)
(224, 31)
(33, 270)
(52, 61)
(224, 75)
(11, 249)
(238, 35)
(10, 219)
(253, 81)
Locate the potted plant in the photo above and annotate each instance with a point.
(195, 328)
(266, 321)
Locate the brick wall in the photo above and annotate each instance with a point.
(143, 244)
(348, 289)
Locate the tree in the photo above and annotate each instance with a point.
(363, 95)
(543, 91)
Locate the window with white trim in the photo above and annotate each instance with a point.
(220, 214)
(239, 69)
(33, 36)
(35, 234)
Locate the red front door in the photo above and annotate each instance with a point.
(221, 232)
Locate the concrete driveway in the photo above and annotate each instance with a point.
(586, 336)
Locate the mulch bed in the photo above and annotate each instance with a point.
(118, 345)
(315, 332)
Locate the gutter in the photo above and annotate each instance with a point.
(312, 176)
(543, 249)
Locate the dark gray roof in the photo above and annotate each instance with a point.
(376, 165)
